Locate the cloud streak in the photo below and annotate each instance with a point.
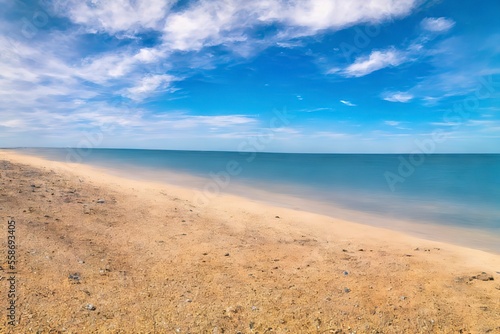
(401, 97)
(437, 24)
(347, 103)
(377, 60)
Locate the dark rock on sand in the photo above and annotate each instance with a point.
(483, 277)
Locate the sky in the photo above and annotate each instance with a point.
(330, 76)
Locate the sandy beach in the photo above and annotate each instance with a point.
(99, 253)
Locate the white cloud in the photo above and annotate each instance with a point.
(398, 97)
(203, 24)
(446, 123)
(149, 85)
(218, 121)
(114, 16)
(114, 65)
(317, 109)
(331, 134)
(324, 14)
(215, 22)
(347, 103)
(437, 24)
(392, 123)
(375, 61)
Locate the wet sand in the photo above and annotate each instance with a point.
(99, 253)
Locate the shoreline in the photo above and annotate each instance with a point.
(147, 258)
(468, 237)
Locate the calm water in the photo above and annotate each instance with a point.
(451, 189)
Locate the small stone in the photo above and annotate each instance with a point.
(101, 201)
(483, 277)
(403, 297)
(254, 308)
(347, 290)
(90, 307)
(227, 254)
(276, 216)
(188, 300)
(346, 273)
(75, 278)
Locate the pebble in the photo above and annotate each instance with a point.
(347, 290)
(90, 307)
(483, 277)
(346, 273)
(75, 277)
(227, 254)
(101, 201)
(277, 217)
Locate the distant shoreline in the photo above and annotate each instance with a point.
(479, 238)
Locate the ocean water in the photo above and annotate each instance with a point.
(445, 189)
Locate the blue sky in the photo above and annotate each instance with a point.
(282, 76)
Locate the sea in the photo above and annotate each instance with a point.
(444, 190)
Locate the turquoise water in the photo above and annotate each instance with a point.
(449, 189)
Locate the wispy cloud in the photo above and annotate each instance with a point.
(347, 103)
(375, 61)
(148, 85)
(317, 109)
(119, 16)
(437, 24)
(398, 97)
